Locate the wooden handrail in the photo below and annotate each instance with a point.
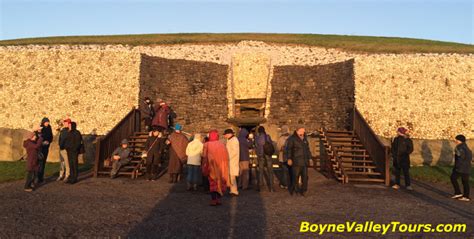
(377, 150)
(122, 130)
(344, 176)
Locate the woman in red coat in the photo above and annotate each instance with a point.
(216, 167)
(32, 144)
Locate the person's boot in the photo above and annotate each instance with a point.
(175, 178)
(213, 202)
(171, 179)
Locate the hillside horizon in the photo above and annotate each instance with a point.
(350, 43)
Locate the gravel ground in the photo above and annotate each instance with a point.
(100, 207)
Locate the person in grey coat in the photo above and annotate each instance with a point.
(462, 168)
(264, 161)
(120, 158)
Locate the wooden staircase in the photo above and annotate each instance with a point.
(349, 159)
(136, 167)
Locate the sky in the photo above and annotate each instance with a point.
(444, 20)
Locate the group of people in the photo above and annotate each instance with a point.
(37, 144)
(219, 164)
(402, 147)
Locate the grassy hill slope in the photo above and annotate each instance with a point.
(347, 43)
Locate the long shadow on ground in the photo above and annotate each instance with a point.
(184, 214)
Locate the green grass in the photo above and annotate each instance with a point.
(435, 174)
(11, 171)
(343, 42)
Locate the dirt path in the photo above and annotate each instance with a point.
(137, 209)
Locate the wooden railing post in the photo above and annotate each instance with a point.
(97, 158)
(387, 166)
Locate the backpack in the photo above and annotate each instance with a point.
(268, 148)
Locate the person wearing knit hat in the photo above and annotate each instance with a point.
(177, 153)
(47, 135)
(120, 157)
(462, 168)
(402, 147)
(32, 144)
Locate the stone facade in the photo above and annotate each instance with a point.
(195, 90)
(96, 86)
(313, 96)
(432, 94)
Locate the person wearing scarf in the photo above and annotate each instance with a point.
(216, 167)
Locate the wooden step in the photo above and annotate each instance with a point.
(357, 161)
(362, 173)
(138, 137)
(352, 155)
(353, 151)
(136, 142)
(374, 180)
(360, 166)
(344, 140)
(341, 136)
(102, 172)
(340, 131)
(346, 144)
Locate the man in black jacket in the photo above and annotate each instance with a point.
(155, 146)
(462, 168)
(64, 170)
(402, 147)
(73, 146)
(47, 135)
(298, 158)
(149, 113)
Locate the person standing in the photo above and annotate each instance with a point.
(233, 149)
(155, 146)
(149, 113)
(298, 154)
(264, 158)
(64, 170)
(402, 147)
(32, 143)
(120, 157)
(161, 116)
(216, 167)
(73, 146)
(178, 143)
(462, 168)
(282, 157)
(244, 158)
(47, 135)
(194, 154)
